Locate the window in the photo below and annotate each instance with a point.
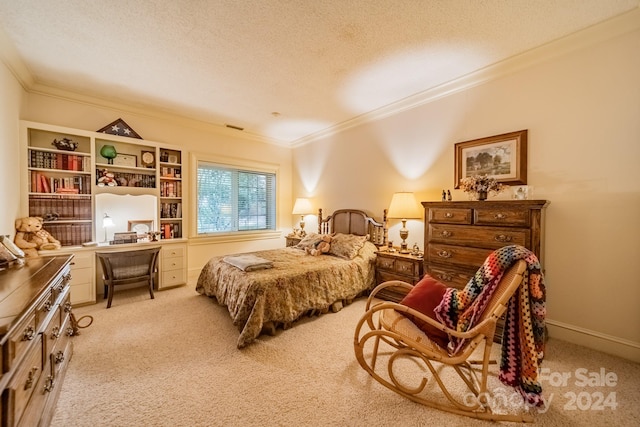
(234, 199)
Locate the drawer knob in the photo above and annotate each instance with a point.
(67, 307)
(445, 233)
(55, 332)
(444, 254)
(59, 357)
(502, 238)
(48, 385)
(32, 373)
(47, 306)
(28, 334)
(500, 215)
(70, 332)
(448, 215)
(444, 277)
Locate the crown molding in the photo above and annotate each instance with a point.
(597, 33)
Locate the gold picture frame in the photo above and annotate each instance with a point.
(503, 157)
(128, 160)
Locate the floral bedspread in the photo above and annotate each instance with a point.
(296, 284)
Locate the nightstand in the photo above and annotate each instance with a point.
(292, 240)
(397, 266)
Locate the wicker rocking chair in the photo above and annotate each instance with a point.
(386, 335)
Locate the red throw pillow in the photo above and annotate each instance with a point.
(425, 297)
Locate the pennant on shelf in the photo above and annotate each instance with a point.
(121, 128)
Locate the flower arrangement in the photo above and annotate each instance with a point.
(481, 185)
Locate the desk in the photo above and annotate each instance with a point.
(86, 274)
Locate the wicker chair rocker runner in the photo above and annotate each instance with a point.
(385, 321)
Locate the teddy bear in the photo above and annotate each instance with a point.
(107, 179)
(322, 247)
(30, 237)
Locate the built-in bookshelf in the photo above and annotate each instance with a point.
(59, 183)
(170, 193)
(64, 168)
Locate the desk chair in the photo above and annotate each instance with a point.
(127, 267)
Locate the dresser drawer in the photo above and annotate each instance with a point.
(457, 255)
(385, 276)
(19, 340)
(450, 215)
(173, 263)
(450, 277)
(406, 267)
(173, 251)
(489, 237)
(384, 263)
(82, 260)
(44, 308)
(504, 217)
(24, 382)
(173, 277)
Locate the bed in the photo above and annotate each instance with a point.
(298, 284)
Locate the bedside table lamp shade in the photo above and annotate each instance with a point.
(302, 207)
(404, 206)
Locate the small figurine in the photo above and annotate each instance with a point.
(449, 195)
(444, 196)
(415, 250)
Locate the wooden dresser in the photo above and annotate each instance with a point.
(35, 331)
(460, 235)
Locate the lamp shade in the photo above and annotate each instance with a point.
(302, 206)
(404, 205)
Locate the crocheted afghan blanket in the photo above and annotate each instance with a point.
(523, 336)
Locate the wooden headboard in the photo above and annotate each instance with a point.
(353, 221)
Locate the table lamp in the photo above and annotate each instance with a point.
(302, 207)
(403, 205)
(106, 223)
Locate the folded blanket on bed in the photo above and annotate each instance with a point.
(248, 262)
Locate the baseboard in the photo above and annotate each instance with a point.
(595, 340)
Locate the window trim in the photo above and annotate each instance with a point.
(231, 236)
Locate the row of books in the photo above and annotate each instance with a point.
(171, 189)
(171, 210)
(40, 183)
(52, 209)
(52, 160)
(170, 172)
(70, 234)
(127, 179)
(170, 230)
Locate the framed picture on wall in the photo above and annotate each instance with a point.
(503, 157)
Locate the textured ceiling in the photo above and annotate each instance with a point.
(280, 69)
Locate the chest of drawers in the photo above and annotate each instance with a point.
(460, 235)
(35, 331)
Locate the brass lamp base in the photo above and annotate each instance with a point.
(404, 233)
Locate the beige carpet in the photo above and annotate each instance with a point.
(173, 361)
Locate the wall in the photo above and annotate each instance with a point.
(582, 109)
(10, 107)
(189, 135)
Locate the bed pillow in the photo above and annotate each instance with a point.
(310, 241)
(425, 297)
(346, 246)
